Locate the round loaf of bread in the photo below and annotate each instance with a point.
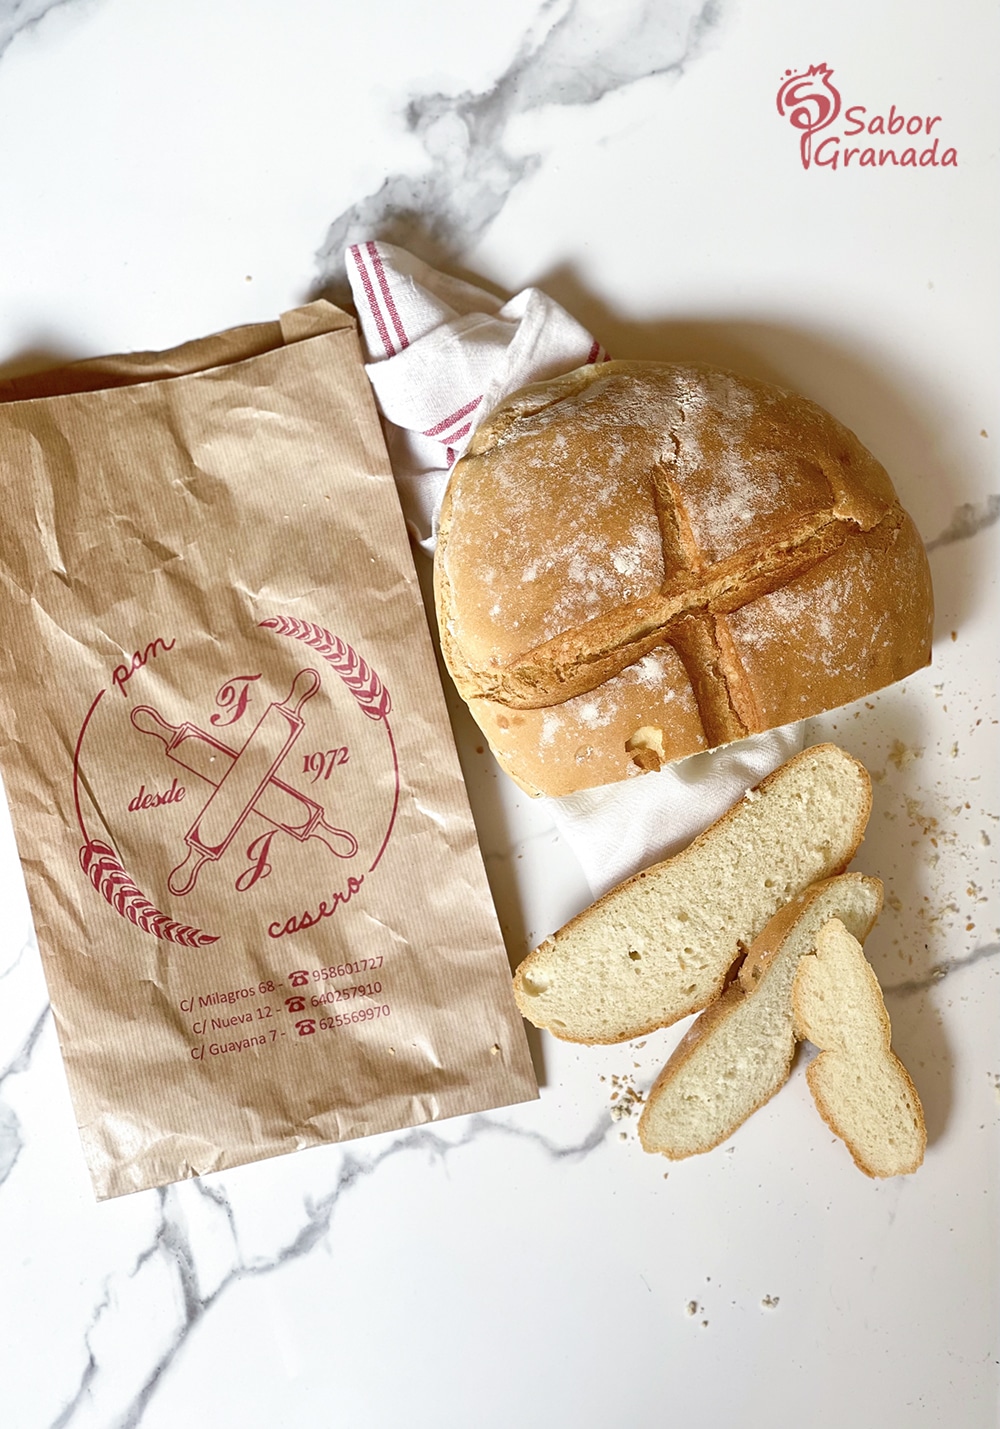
(638, 561)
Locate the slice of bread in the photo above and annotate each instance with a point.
(739, 1052)
(861, 1088)
(658, 947)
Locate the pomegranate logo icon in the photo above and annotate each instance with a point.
(809, 102)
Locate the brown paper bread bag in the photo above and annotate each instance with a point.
(254, 875)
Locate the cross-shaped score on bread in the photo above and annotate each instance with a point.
(637, 561)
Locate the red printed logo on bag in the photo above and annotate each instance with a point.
(812, 105)
(282, 774)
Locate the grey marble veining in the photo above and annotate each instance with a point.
(15, 961)
(942, 970)
(11, 1131)
(11, 1138)
(575, 55)
(19, 15)
(968, 520)
(96, 1398)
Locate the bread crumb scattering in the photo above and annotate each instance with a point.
(770, 1302)
(625, 1097)
(670, 941)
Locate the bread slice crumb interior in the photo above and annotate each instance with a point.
(739, 1052)
(861, 1088)
(659, 946)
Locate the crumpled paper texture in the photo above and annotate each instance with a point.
(254, 875)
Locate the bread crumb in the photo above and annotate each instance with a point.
(770, 1302)
(625, 1098)
(692, 1308)
(646, 748)
(926, 823)
(900, 755)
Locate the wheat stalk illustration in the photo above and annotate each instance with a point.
(105, 870)
(357, 674)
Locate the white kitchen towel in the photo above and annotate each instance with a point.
(621, 828)
(441, 354)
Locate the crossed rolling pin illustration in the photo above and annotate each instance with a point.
(249, 782)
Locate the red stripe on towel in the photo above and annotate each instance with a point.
(383, 283)
(450, 421)
(366, 281)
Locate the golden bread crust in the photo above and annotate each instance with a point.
(732, 533)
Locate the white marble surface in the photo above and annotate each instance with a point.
(170, 169)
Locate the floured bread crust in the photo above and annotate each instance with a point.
(639, 719)
(643, 560)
